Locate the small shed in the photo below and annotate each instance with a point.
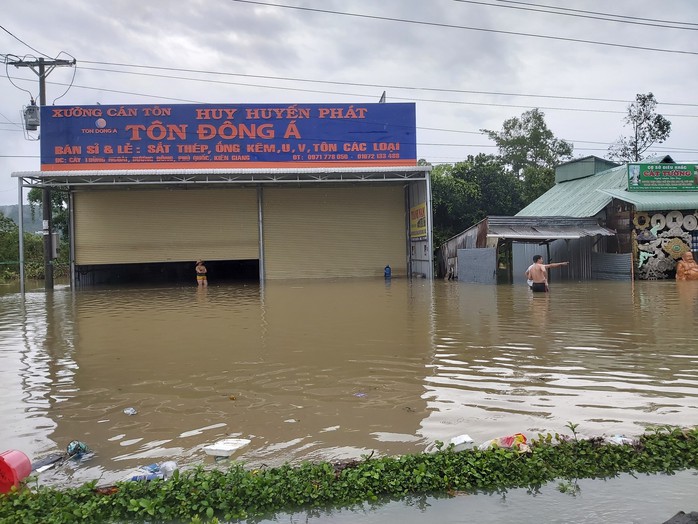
(498, 249)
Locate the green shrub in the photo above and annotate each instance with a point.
(240, 493)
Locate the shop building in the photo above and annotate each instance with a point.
(257, 191)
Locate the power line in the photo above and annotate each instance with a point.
(443, 90)
(406, 99)
(628, 17)
(305, 90)
(469, 28)
(580, 14)
(22, 42)
(331, 82)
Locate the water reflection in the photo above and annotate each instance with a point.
(598, 501)
(333, 370)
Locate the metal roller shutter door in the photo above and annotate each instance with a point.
(141, 226)
(321, 232)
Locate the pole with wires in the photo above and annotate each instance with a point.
(43, 67)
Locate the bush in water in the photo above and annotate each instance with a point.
(239, 493)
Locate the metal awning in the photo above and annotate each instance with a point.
(544, 228)
(656, 200)
(92, 178)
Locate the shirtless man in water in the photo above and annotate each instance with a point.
(537, 273)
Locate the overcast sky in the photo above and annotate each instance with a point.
(467, 65)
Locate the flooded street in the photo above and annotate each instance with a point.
(328, 370)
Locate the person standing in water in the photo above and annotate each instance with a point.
(537, 274)
(201, 274)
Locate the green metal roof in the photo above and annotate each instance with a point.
(583, 197)
(656, 200)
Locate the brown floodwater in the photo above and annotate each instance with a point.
(333, 370)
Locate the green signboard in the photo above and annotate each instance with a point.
(662, 177)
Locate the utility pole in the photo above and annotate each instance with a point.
(43, 67)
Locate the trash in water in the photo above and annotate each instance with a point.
(462, 442)
(130, 411)
(167, 468)
(105, 490)
(151, 468)
(359, 394)
(161, 471)
(620, 440)
(77, 449)
(47, 462)
(146, 477)
(516, 441)
(226, 447)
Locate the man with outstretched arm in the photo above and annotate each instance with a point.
(537, 274)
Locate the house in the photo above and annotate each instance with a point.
(610, 221)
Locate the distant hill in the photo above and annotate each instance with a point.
(30, 225)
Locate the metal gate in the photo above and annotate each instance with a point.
(477, 265)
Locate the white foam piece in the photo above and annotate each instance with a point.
(226, 447)
(462, 442)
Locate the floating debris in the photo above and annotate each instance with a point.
(226, 447)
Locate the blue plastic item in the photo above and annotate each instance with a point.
(150, 476)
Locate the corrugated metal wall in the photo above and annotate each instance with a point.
(477, 265)
(576, 251)
(123, 227)
(612, 266)
(447, 257)
(316, 232)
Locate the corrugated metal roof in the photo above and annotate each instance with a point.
(656, 200)
(543, 228)
(136, 177)
(228, 171)
(583, 197)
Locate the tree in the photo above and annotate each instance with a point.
(450, 202)
(647, 126)
(9, 250)
(60, 223)
(527, 142)
(536, 181)
(499, 190)
(59, 209)
(465, 193)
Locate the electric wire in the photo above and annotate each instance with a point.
(75, 69)
(579, 14)
(23, 42)
(411, 99)
(353, 84)
(361, 95)
(469, 28)
(628, 17)
(7, 74)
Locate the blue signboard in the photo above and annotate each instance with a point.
(194, 136)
